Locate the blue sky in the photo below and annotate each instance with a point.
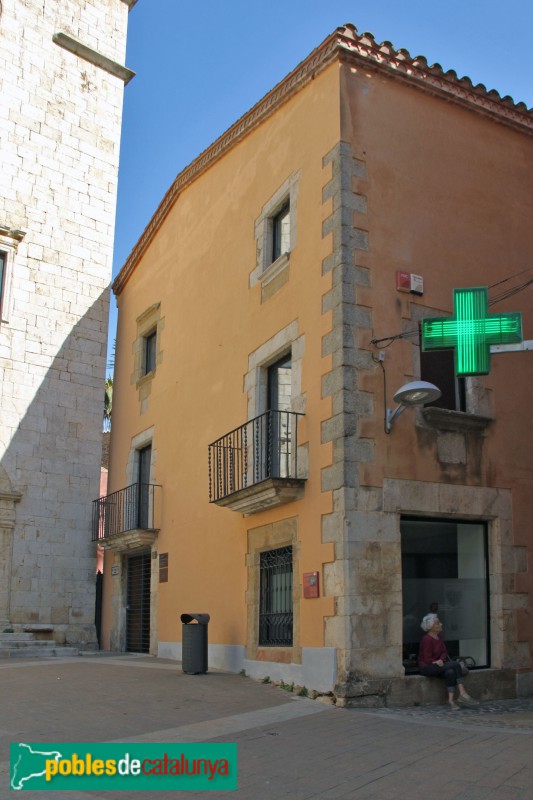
(201, 65)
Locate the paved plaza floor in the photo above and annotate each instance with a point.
(288, 746)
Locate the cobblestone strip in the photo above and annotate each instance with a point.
(503, 716)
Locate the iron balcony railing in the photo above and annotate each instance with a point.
(264, 447)
(132, 508)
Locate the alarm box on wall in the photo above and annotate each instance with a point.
(409, 282)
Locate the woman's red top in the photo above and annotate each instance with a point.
(431, 650)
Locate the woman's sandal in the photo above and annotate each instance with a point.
(467, 701)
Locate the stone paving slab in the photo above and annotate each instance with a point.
(289, 747)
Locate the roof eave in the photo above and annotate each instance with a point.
(433, 80)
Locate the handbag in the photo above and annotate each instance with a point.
(466, 662)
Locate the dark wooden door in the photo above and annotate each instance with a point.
(138, 604)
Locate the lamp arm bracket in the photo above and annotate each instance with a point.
(392, 415)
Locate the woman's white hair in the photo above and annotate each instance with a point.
(428, 622)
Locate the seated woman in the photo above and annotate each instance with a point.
(434, 661)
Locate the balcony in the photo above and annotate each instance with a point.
(126, 520)
(255, 466)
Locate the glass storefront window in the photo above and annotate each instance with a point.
(444, 570)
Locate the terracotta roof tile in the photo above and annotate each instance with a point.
(367, 46)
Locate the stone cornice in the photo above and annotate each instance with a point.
(343, 44)
(10, 497)
(81, 50)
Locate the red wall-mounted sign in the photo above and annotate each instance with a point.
(311, 586)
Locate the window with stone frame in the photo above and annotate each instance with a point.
(3, 261)
(276, 236)
(147, 351)
(9, 242)
(269, 538)
(275, 598)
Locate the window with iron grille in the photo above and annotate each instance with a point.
(275, 603)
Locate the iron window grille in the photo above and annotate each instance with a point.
(275, 603)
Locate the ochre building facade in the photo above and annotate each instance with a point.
(263, 330)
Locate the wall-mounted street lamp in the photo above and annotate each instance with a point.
(416, 393)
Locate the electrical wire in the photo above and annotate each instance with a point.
(510, 292)
(391, 339)
(516, 275)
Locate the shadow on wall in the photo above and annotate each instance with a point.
(50, 455)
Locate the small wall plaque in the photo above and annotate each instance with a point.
(163, 567)
(115, 570)
(311, 585)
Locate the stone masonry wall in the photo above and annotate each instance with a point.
(60, 119)
(345, 577)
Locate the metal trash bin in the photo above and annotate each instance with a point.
(194, 643)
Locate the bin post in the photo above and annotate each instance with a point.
(194, 643)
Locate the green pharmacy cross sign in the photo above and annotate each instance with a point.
(471, 331)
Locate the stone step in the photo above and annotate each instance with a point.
(16, 637)
(57, 651)
(25, 645)
(22, 643)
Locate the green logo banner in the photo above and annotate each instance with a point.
(96, 765)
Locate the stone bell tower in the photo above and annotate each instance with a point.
(62, 78)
